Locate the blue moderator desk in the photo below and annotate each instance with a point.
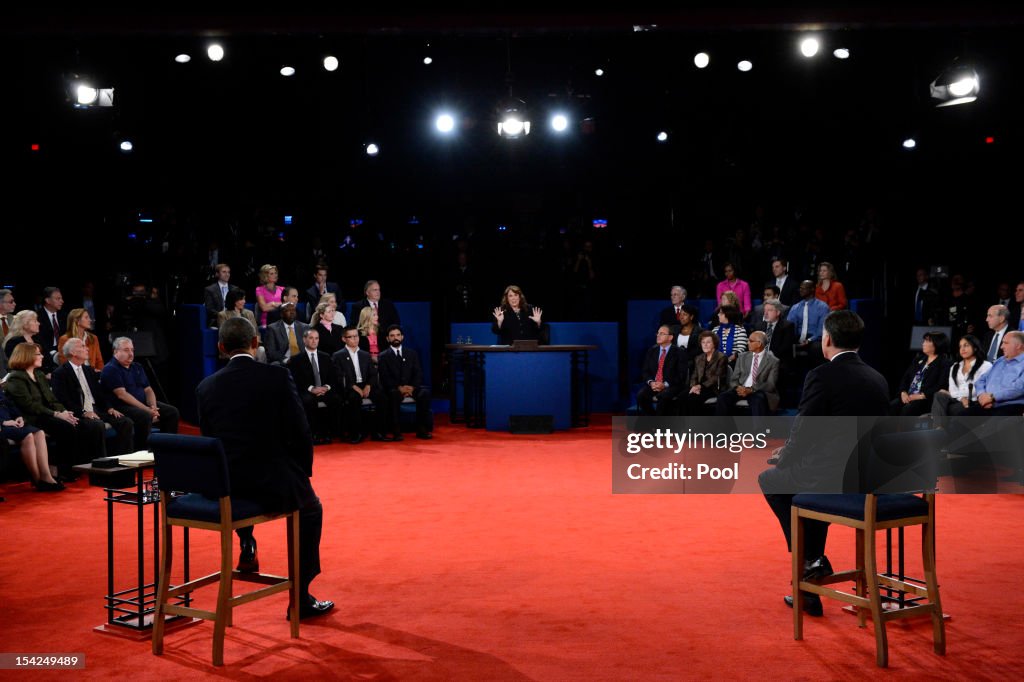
(498, 382)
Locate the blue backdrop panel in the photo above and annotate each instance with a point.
(415, 317)
(527, 384)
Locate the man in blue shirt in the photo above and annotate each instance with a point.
(1001, 390)
(128, 387)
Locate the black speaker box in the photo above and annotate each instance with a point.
(531, 423)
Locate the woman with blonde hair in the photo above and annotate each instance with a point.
(80, 327)
(23, 330)
(829, 289)
(331, 325)
(268, 293)
(369, 332)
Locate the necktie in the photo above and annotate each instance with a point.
(56, 328)
(398, 352)
(803, 328)
(660, 374)
(316, 370)
(224, 294)
(919, 307)
(3, 321)
(771, 330)
(753, 370)
(993, 350)
(293, 345)
(679, 314)
(87, 400)
(355, 364)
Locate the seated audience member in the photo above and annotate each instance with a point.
(515, 318)
(31, 442)
(129, 392)
(732, 337)
(728, 298)
(708, 374)
(829, 290)
(754, 380)
(779, 332)
(359, 381)
(663, 374)
(771, 293)
(7, 306)
(283, 338)
(925, 376)
(331, 325)
(52, 323)
(387, 313)
(320, 288)
(401, 377)
(369, 332)
(28, 387)
(926, 300)
(319, 386)
(686, 333)
(1016, 308)
(80, 325)
(25, 329)
(290, 295)
(737, 286)
(808, 318)
(788, 285)
(1001, 390)
(963, 375)
(671, 314)
(236, 308)
(268, 294)
(78, 388)
(997, 320)
(215, 296)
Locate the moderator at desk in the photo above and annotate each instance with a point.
(496, 383)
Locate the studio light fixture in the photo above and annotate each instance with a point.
(959, 84)
(701, 60)
(84, 96)
(513, 120)
(331, 63)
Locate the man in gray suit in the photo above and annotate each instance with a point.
(754, 380)
(283, 338)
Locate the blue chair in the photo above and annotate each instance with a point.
(198, 468)
(897, 461)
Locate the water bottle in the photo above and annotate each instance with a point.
(458, 339)
(469, 340)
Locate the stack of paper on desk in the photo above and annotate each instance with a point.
(136, 459)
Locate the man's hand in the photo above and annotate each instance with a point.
(657, 386)
(986, 400)
(90, 415)
(406, 391)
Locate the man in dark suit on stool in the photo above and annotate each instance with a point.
(845, 386)
(319, 387)
(268, 446)
(664, 374)
(359, 380)
(401, 375)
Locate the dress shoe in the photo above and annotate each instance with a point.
(356, 439)
(311, 606)
(812, 604)
(398, 437)
(381, 438)
(817, 569)
(248, 561)
(426, 435)
(47, 486)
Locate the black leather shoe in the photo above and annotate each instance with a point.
(248, 561)
(397, 437)
(381, 437)
(47, 487)
(426, 435)
(311, 606)
(812, 604)
(817, 569)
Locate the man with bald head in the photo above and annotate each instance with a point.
(753, 380)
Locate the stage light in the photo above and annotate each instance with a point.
(598, 72)
(745, 65)
(909, 143)
(372, 149)
(513, 120)
(85, 96)
(287, 71)
(445, 123)
(841, 53)
(215, 52)
(126, 146)
(990, 140)
(428, 61)
(809, 47)
(183, 58)
(662, 136)
(559, 123)
(701, 60)
(958, 84)
(331, 63)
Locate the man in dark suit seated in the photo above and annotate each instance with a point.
(401, 376)
(283, 339)
(845, 386)
(387, 313)
(77, 387)
(320, 287)
(359, 381)
(670, 314)
(319, 387)
(663, 374)
(215, 296)
(268, 445)
(755, 380)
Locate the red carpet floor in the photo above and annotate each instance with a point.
(480, 556)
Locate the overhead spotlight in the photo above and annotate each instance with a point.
(513, 120)
(287, 71)
(745, 65)
(701, 60)
(662, 136)
(957, 85)
(87, 95)
(445, 123)
(809, 47)
(841, 53)
(428, 60)
(331, 63)
(909, 143)
(126, 146)
(215, 52)
(372, 149)
(598, 72)
(559, 123)
(183, 58)
(84, 96)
